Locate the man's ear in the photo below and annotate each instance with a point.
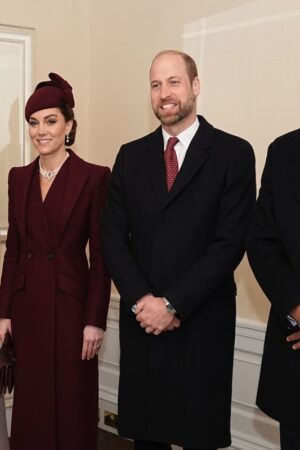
(196, 86)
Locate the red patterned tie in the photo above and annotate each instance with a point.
(171, 161)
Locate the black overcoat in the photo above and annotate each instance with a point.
(183, 245)
(274, 254)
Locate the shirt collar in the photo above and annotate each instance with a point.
(185, 137)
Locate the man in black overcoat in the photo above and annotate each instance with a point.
(174, 230)
(274, 253)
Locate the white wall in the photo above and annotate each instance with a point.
(250, 81)
(61, 44)
(124, 38)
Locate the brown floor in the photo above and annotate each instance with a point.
(109, 441)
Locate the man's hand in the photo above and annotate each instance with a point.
(295, 314)
(5, 327)
(294, 337)
(175, 324)
(153, 315)
(92, 340)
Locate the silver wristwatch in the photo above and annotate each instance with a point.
(169, 306)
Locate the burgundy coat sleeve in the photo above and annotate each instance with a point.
(99, 280)
(11, 256)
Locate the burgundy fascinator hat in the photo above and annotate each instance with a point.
(50, 94)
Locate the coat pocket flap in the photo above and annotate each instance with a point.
(71, 286)
(18, 283)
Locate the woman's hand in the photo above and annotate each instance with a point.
(92, 340)
(5, 327)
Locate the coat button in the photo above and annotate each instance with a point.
(50, 256)
(29, 255)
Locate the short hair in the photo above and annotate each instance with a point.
(190, 64)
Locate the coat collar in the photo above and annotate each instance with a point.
(195, 157)
(292, 160)
(21, 188)
(75, 182)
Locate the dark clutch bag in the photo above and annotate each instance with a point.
(7, 365)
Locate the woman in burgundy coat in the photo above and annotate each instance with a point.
(52, 301)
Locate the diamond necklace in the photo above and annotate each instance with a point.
(49, 174)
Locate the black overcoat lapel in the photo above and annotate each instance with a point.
(195, 158)
(293, 164)
(155, 164)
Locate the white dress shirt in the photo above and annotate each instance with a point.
(185, 138)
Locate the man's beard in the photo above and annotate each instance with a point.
(184, 111)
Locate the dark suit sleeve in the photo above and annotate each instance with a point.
(267, 256)
(210, 272)
(99, 282)
(127, 276)
(11, 256)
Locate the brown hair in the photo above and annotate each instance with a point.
(68, 114)
(190, 64)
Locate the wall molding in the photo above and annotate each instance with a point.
(251, 428)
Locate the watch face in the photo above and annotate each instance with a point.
(292, 324)
(171, 309)
(169, 306)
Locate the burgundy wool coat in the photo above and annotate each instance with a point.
(50, 292)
